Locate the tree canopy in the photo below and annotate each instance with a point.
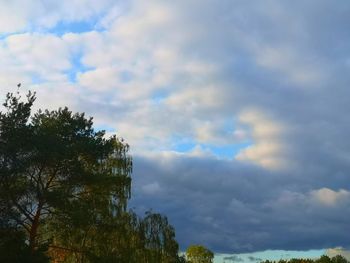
(199, 254)
(64, 189)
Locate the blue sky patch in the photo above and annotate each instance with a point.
(37, 79)
(77, 67)
(222, 151)
(228, 150)
(64, 27)
(159, 96)
(105, 127)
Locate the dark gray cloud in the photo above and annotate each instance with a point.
(210, 200)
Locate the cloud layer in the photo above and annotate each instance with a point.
(236, 111)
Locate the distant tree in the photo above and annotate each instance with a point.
(199, 254)
(182, 259)
(159, 238)
(338, 259)
(324, 259)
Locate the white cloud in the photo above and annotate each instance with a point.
(34, 51)
(332, 252)
(100, 79)
(268, 148)
(328, 197)
(34, 58)
(298, 69)
(151, 188)
(18, 16)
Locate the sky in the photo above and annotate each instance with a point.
(235, 110)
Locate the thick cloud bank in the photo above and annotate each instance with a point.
(236, 111)
(233, 207)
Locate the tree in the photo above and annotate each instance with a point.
(159, 239)
(53, 166)
(64, 189)
(129, 238)
(338, 259)
(12, 242)
(199, 254)
(324, 259)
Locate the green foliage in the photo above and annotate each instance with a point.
(339, 259)
(159, 238)
(56, 159)
(64, 189)
(14, 249)
(324, 259)
(199, 254)
(131, 239)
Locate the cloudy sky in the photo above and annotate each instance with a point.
(236, 111)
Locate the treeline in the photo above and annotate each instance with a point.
(322, 259)
(64, 189)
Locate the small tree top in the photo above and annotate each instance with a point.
(199, 254)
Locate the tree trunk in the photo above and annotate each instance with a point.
(33, 234)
